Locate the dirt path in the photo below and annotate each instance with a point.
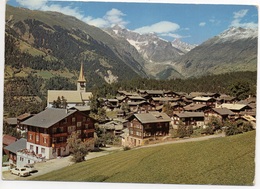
(185, 140)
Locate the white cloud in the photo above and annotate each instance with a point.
(240, 14)
(173, 35)
(159, 28)
(32, 4)
(237, 22)
(202, 24)
(111, 18)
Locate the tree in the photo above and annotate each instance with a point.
(167, 109)
(240, 90)
(78, 148)
(184, 131)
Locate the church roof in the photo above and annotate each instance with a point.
(81, 75)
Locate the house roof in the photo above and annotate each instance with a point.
(193, 107)
(152, 117)
(16, 146)
(137, 103)
(8, 139)
(136, 98)
(112, 125)
(233, 106)
(205, 99)
(70, 96)
(24, 116)
(81, 108)
(11, 121)
(154, 92)
(190, 114)
(223, 111)
(165, 99)
(48, 117)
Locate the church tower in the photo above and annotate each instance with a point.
(81, 85)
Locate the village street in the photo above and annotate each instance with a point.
(55, 164)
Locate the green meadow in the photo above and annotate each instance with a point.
(220, 161)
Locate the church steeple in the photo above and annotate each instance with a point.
(81, 85)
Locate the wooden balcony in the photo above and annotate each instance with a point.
(89, 131)
(58, 145)
(60, 135)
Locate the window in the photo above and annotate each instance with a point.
(45, 131)
(71, 129)
(53, 140)
(21, 159)
(44, 140)
(73, 120)
(79, 132)
(29, 161)
(78, 124)
(54, 130)
(64, 121)
(61, 139)
(30, 136)
(37, 138)
(42, 150)
(84, 119)
(31, 147)
(86, 126)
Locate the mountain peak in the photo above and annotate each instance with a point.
(236, 33)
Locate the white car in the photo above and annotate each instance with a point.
(30, 168)
(20, 171)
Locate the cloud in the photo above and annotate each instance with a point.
(111, 18)
(237, 22)
(173, 35)
(202, 24)
(159, 28)
(32, 4)
(240, 14)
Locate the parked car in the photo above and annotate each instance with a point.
(20, 171)
(30, 168)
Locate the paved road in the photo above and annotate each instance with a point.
(55, 164)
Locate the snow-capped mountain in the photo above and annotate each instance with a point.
(150, 46)
(234, 49)
(157, 53)
(234, 34)
(184, 47)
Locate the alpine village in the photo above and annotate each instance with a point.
(77, 93)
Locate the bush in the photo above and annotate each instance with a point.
(126, 148)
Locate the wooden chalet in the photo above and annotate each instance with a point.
(238, 109)
(12, 150)
(222, 114)
(209, 101)
(48, 131)
(147, 126)
(195, 119)
(196, 107)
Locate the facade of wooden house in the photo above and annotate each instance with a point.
(48, 131)
(147, 126)
(195, 119)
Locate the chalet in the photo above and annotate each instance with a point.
(237, 108)
(158, 101)
(195, 119)
(226, 99)
(142, 106)
(209, 101)
(135, 99)
(12, 122)
(22, 118)
(113, 127)
(212, 95)
(147, 126)
(12, 150)
(196, 108)
(154, 93)
(78, 97)
(112, 104)
(7, 140)
(48, 131)
(172, 94)
(222, 114)
(249, 119)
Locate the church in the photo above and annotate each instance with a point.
(75, 98)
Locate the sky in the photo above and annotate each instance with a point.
(192, 23)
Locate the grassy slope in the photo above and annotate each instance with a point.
(228, 161)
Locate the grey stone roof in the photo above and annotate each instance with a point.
(48, 117)
(190, 114)
(223, 111)
(152, 117)
(193, 107)
(17, 145)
